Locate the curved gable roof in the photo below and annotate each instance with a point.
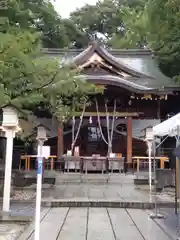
(95, 47)
(143, 72)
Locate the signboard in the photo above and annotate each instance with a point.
(112, 155)
(76, 151)
(40, 166)
(46, 151)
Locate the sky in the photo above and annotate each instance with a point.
(65, 7)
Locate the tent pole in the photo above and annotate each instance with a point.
(150, 169)
(178, 179)
(155, 215)
(176, 187)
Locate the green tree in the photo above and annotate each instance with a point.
(135, 32)
(29, 80)
(164, 34)
(107, 20)
(156, 26)
(35, 16)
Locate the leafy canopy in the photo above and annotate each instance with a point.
(35, 16)
(164, 28)
(30, 80)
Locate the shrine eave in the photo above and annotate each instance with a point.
(128, 85)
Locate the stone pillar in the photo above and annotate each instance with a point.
(129, 141)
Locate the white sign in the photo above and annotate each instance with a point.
(46, 151)
(112, 155)
(69, 153)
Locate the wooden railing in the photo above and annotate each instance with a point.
(29, 158)
(138, 161)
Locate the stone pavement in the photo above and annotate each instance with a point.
(93, 223)
(10, 230)
(98, 224)
(119, 187)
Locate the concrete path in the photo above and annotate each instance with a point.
(97, 224)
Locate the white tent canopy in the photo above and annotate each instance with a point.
(170, 127)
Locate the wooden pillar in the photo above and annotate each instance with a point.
(129, 141)
(60, 146)
(158, 109)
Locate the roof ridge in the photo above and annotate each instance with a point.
(112, 51)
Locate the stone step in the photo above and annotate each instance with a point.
(105, 204)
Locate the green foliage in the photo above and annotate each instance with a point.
(155, 25)
(35, 16)
(107, 18)
(135, 29)
(164, 28)
(29, 80)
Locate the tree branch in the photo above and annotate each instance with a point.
(35, 89)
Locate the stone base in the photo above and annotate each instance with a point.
(7, 217)
(156, 216)
(142, 181)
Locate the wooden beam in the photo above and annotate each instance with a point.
(60, 146)
(103, 114)
(129, 140)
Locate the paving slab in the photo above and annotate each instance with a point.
(123, 226)
(170, 222)
(96, 192)
(99, 226)
(30, 229)
(81, 192)
(148, 228)
(74, 226)
(51, 224)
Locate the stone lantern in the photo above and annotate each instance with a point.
(10, 127)
(41, 138)
(149, 134)
(10, 118)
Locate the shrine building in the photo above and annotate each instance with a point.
(136, 95)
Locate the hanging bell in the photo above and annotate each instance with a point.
(90, 120)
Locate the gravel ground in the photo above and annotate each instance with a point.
(28, 193)
(23, 195)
